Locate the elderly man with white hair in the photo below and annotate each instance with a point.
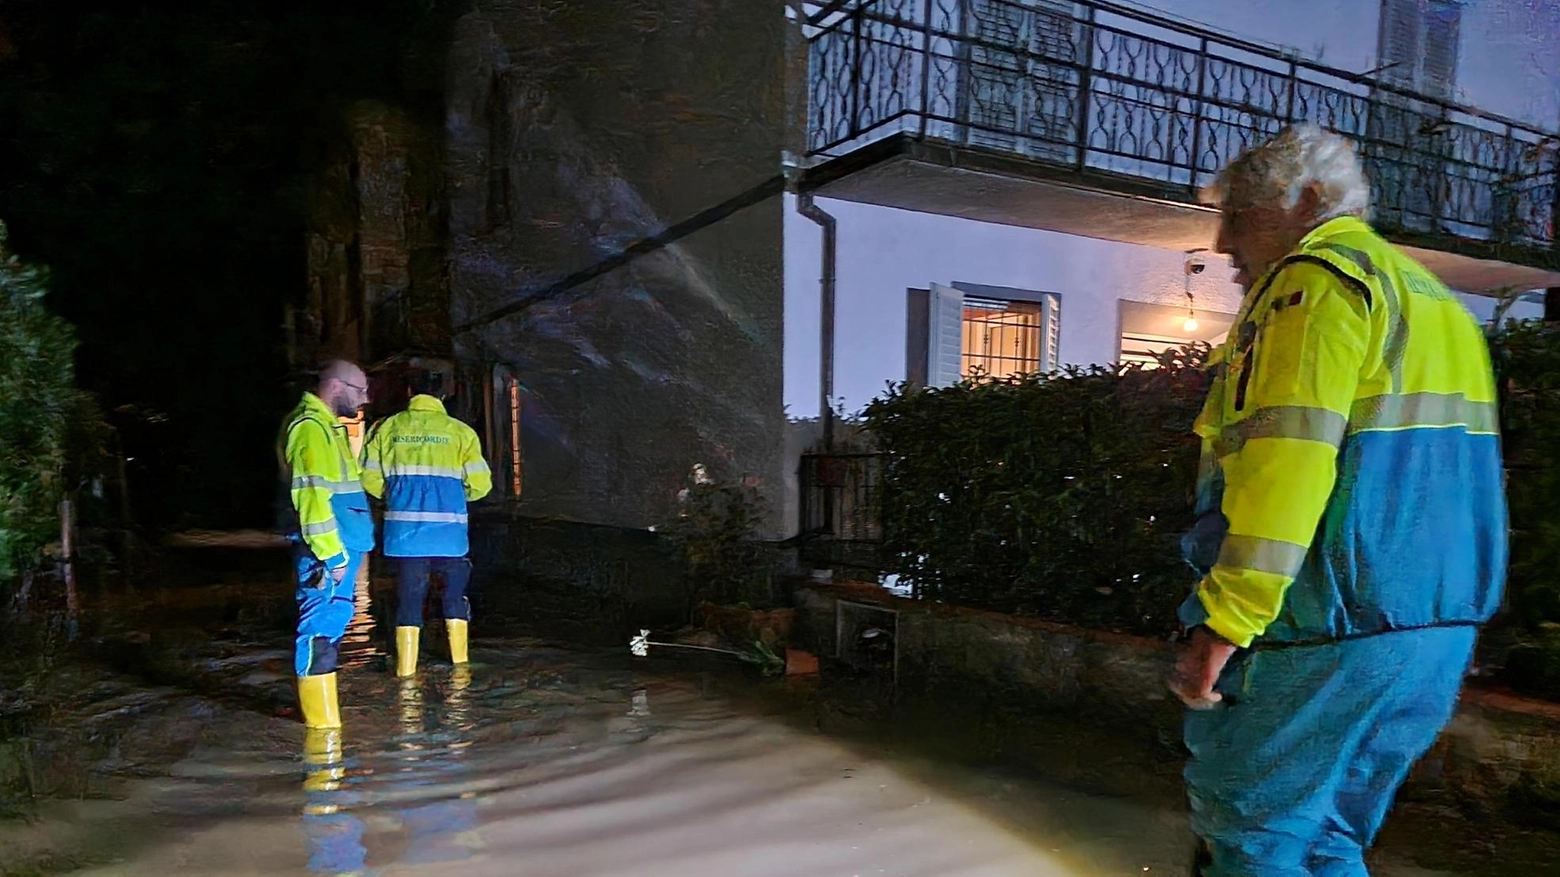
(1352, 521)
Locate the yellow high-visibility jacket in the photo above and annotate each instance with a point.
(326, 484)
(1350, 453)
(427, 465)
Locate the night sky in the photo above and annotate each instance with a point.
(157, 160)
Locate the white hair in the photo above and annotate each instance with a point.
(1301, 156)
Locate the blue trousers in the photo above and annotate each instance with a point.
(412, 577)
(1293, 775)
(325, 608)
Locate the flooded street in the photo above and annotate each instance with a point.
(550, 763)
(553, 761)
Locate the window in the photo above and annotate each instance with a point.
(1018, 85)
(516, 467)
(1148, 330)
(1406, 162)
(960, 331)
(502, 414)
(1418, 45)
(1002, 338)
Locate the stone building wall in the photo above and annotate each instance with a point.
(573, 131)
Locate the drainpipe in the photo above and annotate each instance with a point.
(825, 221)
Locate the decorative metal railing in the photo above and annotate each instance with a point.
(1107, 90)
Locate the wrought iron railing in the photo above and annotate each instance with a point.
(1107, 90)
(841, 524)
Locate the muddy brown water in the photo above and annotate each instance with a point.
(550, 760)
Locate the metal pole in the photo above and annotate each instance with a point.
(826, 222)
(1085, 87)
(855, 75)
(1198, 109)
(926, 65)
(68, 565)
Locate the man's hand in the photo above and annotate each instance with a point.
(339, 573)
(1197, 671)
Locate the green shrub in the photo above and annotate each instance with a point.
(717, 535)
(1527, 366)
(48, 428)
(1060, 496)
(1064, 496)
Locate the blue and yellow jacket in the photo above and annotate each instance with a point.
(426, 465)
(330, 507)
(1351, 480)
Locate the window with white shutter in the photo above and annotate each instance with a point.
(1418, 48)
(1419, 44)
(1019, 87)
(945, 337)
(969, 330)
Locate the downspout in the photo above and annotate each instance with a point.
(825, 221)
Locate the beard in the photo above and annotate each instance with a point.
(343, 410)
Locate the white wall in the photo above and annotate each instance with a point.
(883, 252)
(1510, 59)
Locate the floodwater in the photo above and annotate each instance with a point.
(547, 761)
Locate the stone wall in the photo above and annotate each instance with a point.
(596, 582)
(1499, 749)
(376, 274)
(573, 131)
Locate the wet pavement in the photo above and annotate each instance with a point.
(551, 761)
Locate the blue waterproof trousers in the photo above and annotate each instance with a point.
(412, 579)
(1293, 774)
(325, 608)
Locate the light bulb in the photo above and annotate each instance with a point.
(1190, 325)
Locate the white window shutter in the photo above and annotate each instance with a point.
(1400, 29)
(1439, 74)
(1051, 347)
(945, 337)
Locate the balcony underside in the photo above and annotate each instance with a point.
(929, 176)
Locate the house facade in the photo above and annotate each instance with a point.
(679, 233)
(1454, 105)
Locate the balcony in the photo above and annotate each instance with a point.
(1093, 119)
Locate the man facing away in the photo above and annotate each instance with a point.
(1352, 535)
(427, 466)
(331, 531)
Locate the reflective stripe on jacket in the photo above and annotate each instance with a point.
(427, 465)
(325, 484)
(1350, 440)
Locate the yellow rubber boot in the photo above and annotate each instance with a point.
(410, 701)
(317, 698)
(406, 650)
(458, 631)
(322, 759)
(457, 703)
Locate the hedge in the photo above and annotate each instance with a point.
(1059, 496)
(47, 426)
(1065, 496)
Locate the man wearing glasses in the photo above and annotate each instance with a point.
(331, 530)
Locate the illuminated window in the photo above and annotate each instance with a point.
(1148, 330)
(355, 427)
(516, 466)
(1002, 338)
(959, 331)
